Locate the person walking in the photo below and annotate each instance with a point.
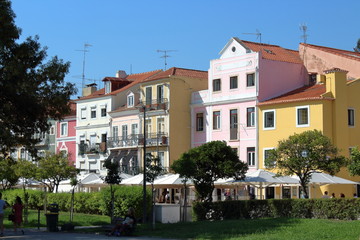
(3, 205)
(17, 210)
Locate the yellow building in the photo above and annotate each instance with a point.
(166, 98)
(331, 106)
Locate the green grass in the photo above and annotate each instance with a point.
(259, 229)
(80, 219)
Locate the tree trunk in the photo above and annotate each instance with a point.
(72, 205)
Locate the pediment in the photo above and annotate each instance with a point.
(235, 47)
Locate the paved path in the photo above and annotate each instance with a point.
(33, 234)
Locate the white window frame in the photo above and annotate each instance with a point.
(93, 109)
(297, 116)
(252, 117)
(107, 87)
(352, 119)
(264, 150)
(130, 100)
(83, 113)
(264, 119)
(213, 85)
(218, 125)
(63, 134)
(252, 158)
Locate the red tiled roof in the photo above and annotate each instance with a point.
(183, 72)
(314, 92)
(273, 52)
(133, 79)
(344, 53)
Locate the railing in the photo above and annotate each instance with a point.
(92, 149)
(154, 104)
(136, 140)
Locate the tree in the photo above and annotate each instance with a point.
(112, 177)
(354, 163)
(153, 170)
(357, 48)
(31, 90)
(8, 178)
(303, 153)
(26, 170)
(54, 168)
(207, 163)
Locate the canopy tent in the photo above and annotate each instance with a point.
(171, 180)
(134, 180)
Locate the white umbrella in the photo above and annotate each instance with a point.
(171, 180)
(135, 180)
(324, 178)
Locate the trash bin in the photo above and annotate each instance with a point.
(52, 218)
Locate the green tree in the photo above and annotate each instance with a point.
(357, 48)
(8, 178)
(354, 163)
(207, 163)
(54, 168)
(26, 170)
(31, 90)
(303, 153)
(112, 178)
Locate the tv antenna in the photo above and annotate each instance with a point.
(258, 34)
(303, 28)
(165, 56)
(86, 45)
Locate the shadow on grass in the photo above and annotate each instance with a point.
(219, 230)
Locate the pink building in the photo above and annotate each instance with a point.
(245, 74)
(66, 134)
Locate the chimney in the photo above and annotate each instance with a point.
(89, 89)
(335, 82)
(121, 74)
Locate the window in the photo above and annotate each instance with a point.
(93, 112)
(216, 120)
(148, 95)
(124, 131)
(160, 94)
(160, 125)
(107, 87)
(63, 129)
(216, 85)
(130, 101)
(233, 82)
(199, 122)
(134, 128)
(269, 119)
(103, 111)
(233, 124)
(250, 117)
(161, 156)
(115, 132)
(302, 116)
(250, 80)
(267, 152)
(83, 113)
(351, 117)
(251, 156)
(103, 137)
(52, 130)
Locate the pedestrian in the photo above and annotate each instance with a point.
(3, 205)
(17, 210)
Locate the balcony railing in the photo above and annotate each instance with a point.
(154, 104)
(92, 148)
(136, 140)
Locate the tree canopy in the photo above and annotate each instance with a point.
(303, 153)
(31, 89)
(354, 164)
(357, 48)
(207, 163)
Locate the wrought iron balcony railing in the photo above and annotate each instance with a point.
(154, 104)
(136, 140)
(96, 148)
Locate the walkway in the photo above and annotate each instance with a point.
(33, 234)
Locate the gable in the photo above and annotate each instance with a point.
(234, 48)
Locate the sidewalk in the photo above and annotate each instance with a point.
(35, 234)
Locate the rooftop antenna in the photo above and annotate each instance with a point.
(303, 28)
(86, 45)
(258, 34)
(165, 56)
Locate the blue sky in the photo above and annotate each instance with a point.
(126, 34)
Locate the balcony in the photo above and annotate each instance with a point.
(137, 140)
(92, 148)
(155, 104)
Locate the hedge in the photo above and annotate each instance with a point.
(91, 203)
(345, 209)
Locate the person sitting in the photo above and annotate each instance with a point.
(326, 195)
(126, 226)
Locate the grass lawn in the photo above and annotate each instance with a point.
(80, 219)
(259, 229)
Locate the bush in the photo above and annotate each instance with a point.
(346, 209)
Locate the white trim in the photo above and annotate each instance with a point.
(269, 128)
(308, 116)
(212, 121)
(67, 129)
